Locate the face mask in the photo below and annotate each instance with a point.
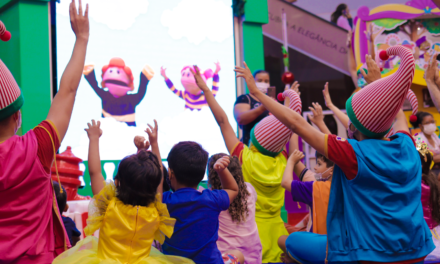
(429, 129)
(262, 86)
(318, 176)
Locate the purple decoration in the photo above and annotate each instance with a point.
(420, 41)
(421, 4)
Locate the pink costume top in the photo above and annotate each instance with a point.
(343, 23)
(31, 229)
(426, 195)
(243, 236)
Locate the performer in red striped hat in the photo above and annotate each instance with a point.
(31, 228)
(374, 212)
(263, 164)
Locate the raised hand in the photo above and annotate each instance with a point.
(373, 70)
(317, 116)
(296, 156)
(327, 98)
(141, 143)
(88, 69)
(248, 77)
(94, 131)
(163, 72)
(199, 80)
(152, 132)
(348, 42)
(217, 67)
(222, 163)
(148, 72)
(295, 87)
(79, 21)
(431, 73)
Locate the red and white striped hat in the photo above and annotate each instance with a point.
(372, 110)
(4, 34)
(415, 108)
(270, 136)
(11, 98)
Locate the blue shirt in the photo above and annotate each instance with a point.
(378, 215)
(196, 229)
(71, 229)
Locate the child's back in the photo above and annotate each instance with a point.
(241, 236)
(196, 213)
(197, 223)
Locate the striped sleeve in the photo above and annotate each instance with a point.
(173, 89)
(215, 83)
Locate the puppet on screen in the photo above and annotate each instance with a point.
(193, 96)
(118, 79)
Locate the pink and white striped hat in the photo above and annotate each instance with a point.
(372, 110)
(4, 34)
(270, 136)
(11, 98)
(415, 108)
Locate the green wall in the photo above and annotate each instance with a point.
(27, 55)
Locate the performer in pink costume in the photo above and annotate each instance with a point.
(31, 229)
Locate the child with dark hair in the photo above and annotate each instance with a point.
(238, 230)
(315, 194)
(128, 212)
(72, 232)
(197, 213)
(430, 198)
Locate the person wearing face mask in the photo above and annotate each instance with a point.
(315, 193)
(425, 121)
(248, 111)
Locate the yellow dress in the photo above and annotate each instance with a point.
(265, 174)
(126, 233)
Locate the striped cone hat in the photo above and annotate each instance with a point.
(11, 98)
(372, 110)
(415, 108)
(270, 136)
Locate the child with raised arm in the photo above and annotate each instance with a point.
(263, 164)
(237, 230)
(197, 213)
(373, 212)
(31, 227)
(128, 212)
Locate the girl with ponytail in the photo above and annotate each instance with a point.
(128, 212)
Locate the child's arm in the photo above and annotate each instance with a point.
(227, 180)
(220, 116)
(401, 123)
(62, 105)
(343, 118)
(318, 118)
(293, 145)
(152, 135)
(96, 179)
(351, 60)
(296, 156)
(287, 116)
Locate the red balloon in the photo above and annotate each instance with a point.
(287, 78)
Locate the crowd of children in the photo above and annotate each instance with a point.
(373, 198)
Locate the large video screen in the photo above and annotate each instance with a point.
(122, 85)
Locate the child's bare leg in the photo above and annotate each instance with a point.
(282, 244)
(237, 254)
